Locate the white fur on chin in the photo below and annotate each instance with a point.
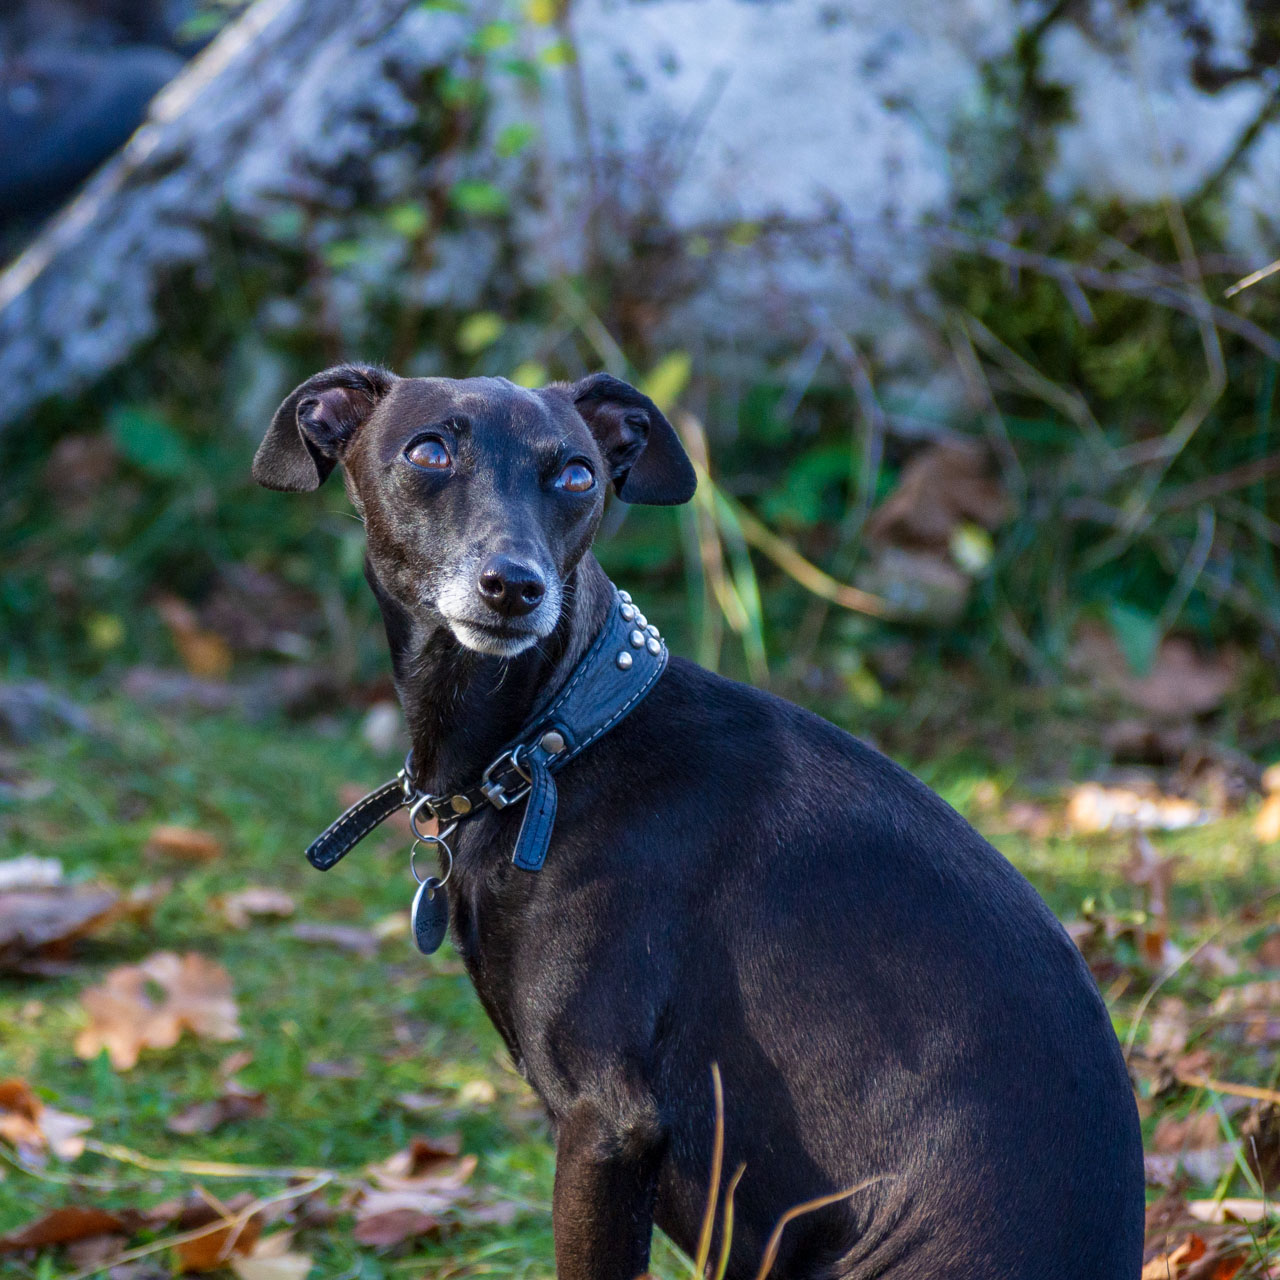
(484, 642)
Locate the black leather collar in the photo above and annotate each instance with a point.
(621, 666)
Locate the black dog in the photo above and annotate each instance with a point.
(731, 880)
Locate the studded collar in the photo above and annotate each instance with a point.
(622, 664)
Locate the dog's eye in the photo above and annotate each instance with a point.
(431, 453)
(576, 478)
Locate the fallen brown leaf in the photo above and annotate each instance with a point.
(124, 1018)
(234, 1103)
(337, 1069)
(241, 907)
(1232, 1210)
(36, 1129)
(185, 843)
(1172, 1264)
(1200, 1129)
(1169, 1028)
(29, 872)
(214, 1248)
(362, 942)
(1182, 681)
(1193, 1146)
(96, 1251)
(204, 653)
(1260, 1138)
(1266, 824)
(62, 1226)
(381, 1227)
(941, 487)
(1093, 808)
(266, 1263)
(42, 922)
(411, 1191)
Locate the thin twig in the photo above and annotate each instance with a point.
(1132, 283)
(1256, 1092)
(717, 1167)
(235, 1223)
(200, 1168)
(809, 1206)
(1254, 277)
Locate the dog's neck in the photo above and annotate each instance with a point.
(463, 707)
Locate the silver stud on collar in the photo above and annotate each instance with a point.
(641, 621)
(624, 596)
(552, 742)
(653, 631)
(637, 639)
(624, 661)
(628, 612)
(653, 646)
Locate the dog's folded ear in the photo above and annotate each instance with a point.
(314, 425)
(647, 462)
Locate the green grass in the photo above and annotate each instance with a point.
(411, 1024)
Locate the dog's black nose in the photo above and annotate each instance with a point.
(511, 587)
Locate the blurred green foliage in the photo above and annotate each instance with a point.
(1118, 424)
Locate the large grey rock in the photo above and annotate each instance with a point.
(755, 168)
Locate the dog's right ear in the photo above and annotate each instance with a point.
(312, 428)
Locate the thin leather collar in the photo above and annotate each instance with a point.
(617, 671)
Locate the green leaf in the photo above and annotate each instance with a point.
(542, 13)
(409, 220)
(494, 35)
(666, 381)
(343, 253)
(482, 199)
(559, 54)
(514, 138)
(971, 547)
(529, 373)
(284, 224)
(479, 331)
(1137, 633)
(148, 442)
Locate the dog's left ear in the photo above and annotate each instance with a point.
(314, 425)
(647, 462)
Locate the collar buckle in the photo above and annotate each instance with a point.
(496, 790)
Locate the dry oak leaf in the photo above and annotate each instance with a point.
(1173, 1264)
(235, 1103)
(188, 844)
(39, 921)
(1266, 823)
(1193, 1145)
(125, 1018)
(36, 1129)
(62, 1226)
(204, 653)
(272, 1259)
(240, 907)
(215, 1248)
(411, 1191)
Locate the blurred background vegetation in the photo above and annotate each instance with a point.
(1105, 455)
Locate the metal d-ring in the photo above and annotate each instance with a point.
(448, 853)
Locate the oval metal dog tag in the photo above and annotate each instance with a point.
(430, 916)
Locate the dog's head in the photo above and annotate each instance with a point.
(479, 497)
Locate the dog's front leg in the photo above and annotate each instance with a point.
(606, 1179)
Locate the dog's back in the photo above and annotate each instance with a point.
(888, 1000)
